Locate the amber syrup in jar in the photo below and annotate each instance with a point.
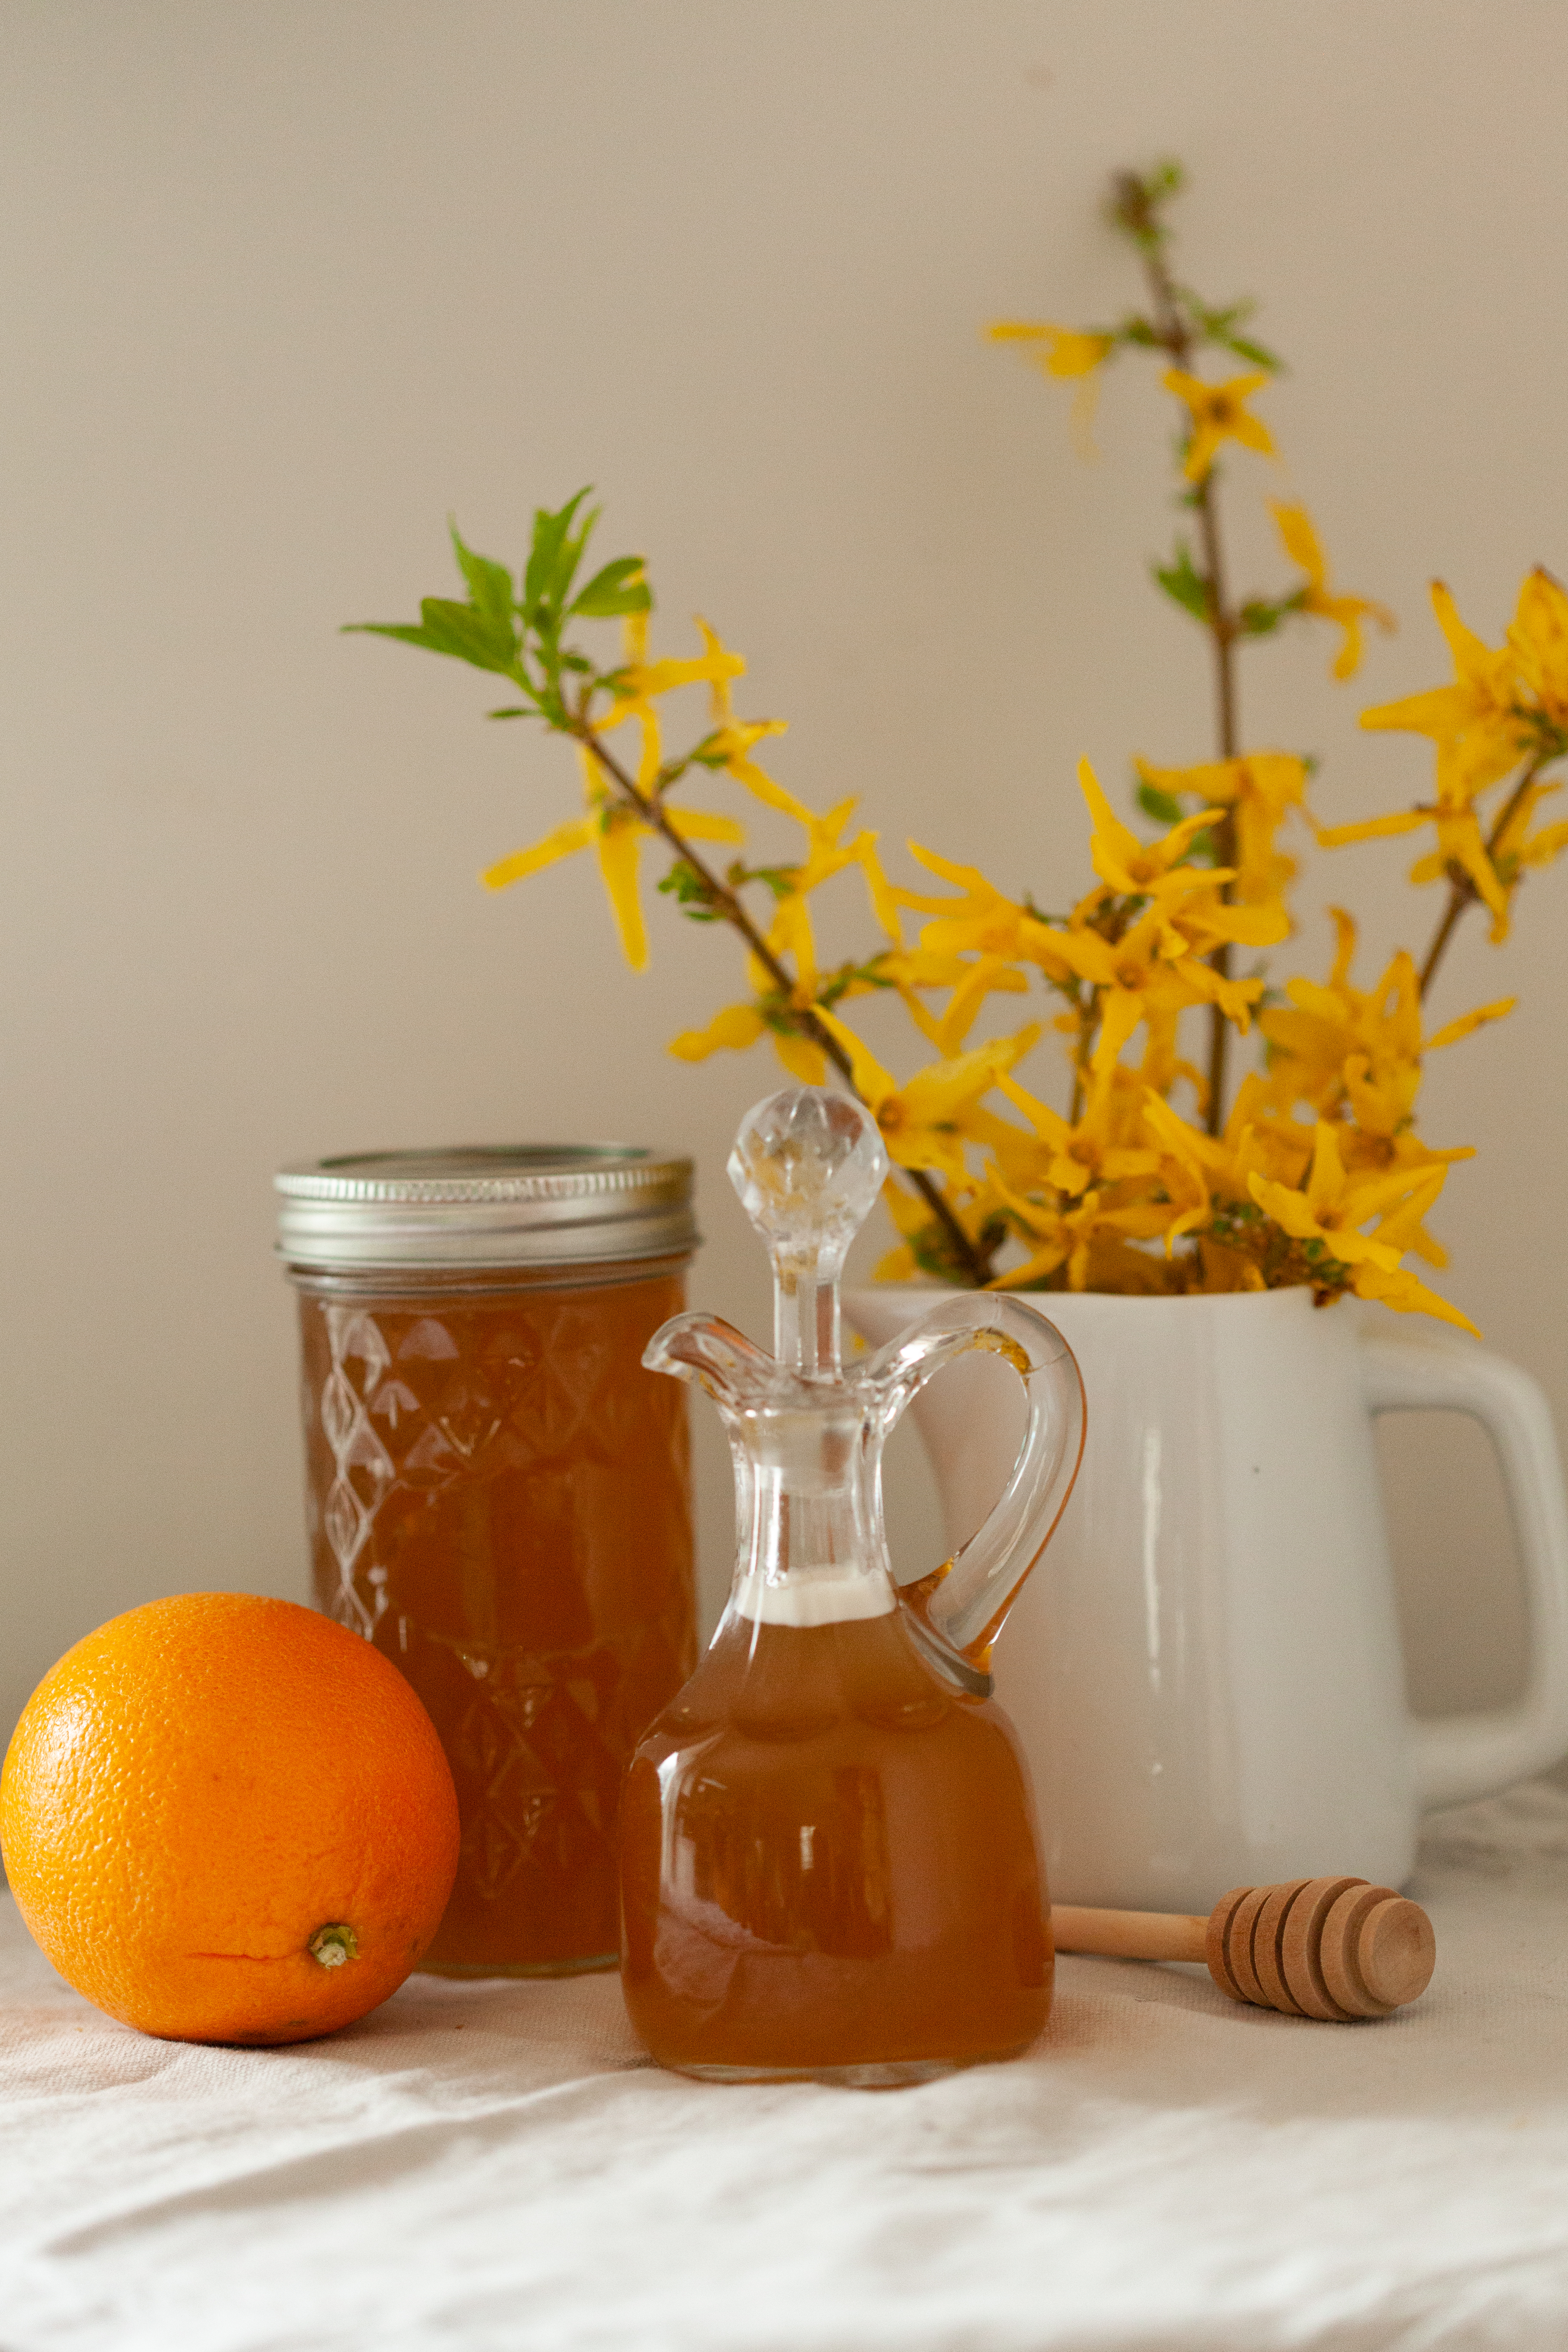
(497, 1496)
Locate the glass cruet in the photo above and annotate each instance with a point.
(829, 1866)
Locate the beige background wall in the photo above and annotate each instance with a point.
(282, 285)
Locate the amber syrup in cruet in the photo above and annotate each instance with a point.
(829, 1866)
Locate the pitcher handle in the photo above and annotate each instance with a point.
(964, 1600)
(1460, 1757)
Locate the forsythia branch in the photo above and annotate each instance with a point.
(730, 907)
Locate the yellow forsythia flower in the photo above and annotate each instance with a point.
(1303, 546)
(1210, 1172)
(1066, 352)
(1260, 790)
(1516, 846)
(1335, 1204)
(1218, 412)
(790, 934)
(1060, 350)
(1538, 639)
(1142, 869)
(1335, 1042)
(1474, 722)
(617, 836)
(926, 1122)
(1098, 1149)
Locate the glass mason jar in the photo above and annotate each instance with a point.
(498, 1494)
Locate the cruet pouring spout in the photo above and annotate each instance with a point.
(704, 1349)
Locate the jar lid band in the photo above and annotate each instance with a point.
(487, 1204)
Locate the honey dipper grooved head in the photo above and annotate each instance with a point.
(1333, 1948)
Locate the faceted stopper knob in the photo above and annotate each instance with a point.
(809, 1165)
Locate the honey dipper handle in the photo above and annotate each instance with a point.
(1129, 1935)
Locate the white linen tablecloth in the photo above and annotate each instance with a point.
(498, 2166)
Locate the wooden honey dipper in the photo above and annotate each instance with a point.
(1326, 1948)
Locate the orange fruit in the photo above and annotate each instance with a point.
(226, 1819)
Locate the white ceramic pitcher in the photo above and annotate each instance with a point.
(1205, 1672)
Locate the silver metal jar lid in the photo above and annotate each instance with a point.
(481, 1204)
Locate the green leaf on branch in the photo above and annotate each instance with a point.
(467, 635)
(713, 752)
(1136, 201)
(573, 550)
(447, 627)
(553, 558)
(1163, 807)
(780, 879)
(690, 893)
(407, 633)
(1183, 584)
(837, 985)
(618, 588)
(1258, 618)
(1222, 327)
(489, 587)
(1259, 353)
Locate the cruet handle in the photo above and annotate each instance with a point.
(964, 1602)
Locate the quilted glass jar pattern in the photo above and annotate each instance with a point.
(497, 1496)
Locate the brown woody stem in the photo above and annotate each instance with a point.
(727, 903)
(1174, 336)
(1459, 896)
(1462, 891)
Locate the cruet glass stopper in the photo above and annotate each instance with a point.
(809, 1165)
